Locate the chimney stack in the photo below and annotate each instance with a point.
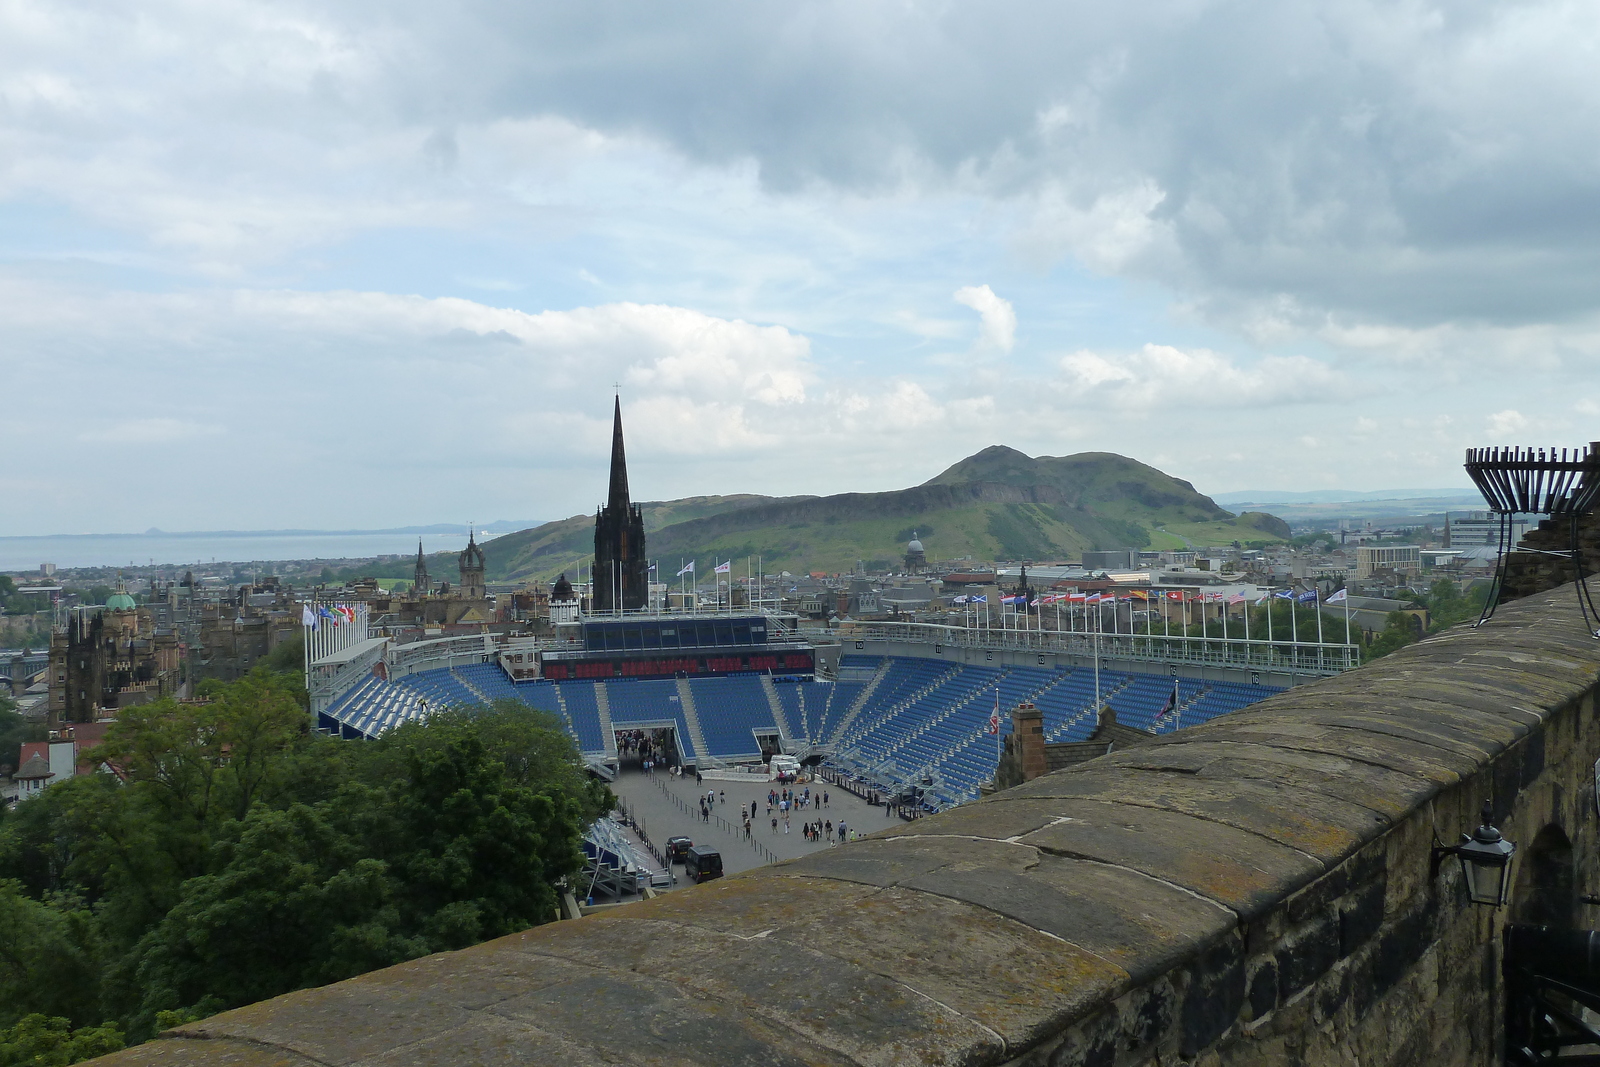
(1027, 733)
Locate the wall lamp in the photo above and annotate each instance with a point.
(1485, 861)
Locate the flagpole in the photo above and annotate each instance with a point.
(1097, 663)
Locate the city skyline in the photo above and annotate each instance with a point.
(352, 267)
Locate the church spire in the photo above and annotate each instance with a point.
(619, 463)
(419, 574)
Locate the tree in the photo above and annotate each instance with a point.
(14, 730)
(240, 855)
(42, 1041)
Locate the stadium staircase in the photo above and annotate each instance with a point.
(1089, 713)
(464, 680)
(607, 734)
(888, 714)
(691, 719)
(959, 750)
(786, 734)
(861, 700)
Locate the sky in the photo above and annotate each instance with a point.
(359, 264)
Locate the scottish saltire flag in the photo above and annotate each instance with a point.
(688, 568)
(724, 568)
(1284, 594)
(984, 599)
(1337, 598)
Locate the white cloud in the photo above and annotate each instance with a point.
(1164, 375)
(1503, 424)
(999, 331)
(152, 431)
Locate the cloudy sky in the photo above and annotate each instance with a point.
(362, 264)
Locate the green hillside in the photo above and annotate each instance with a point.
(997, 504)
(547, 550)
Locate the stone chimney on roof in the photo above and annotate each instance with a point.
(1027, 733)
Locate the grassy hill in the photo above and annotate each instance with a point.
(997, 504)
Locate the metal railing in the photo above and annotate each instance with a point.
(736, 832)
(1294, 657)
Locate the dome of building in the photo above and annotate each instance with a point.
(563, 589)
(120, 600)
(915, 545)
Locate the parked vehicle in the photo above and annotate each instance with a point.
(701, 864)
(677, 847)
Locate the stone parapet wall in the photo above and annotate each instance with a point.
(1258, 889)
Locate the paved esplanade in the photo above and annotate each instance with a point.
(1259, 890)
(647, 796)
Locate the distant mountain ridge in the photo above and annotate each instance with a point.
(997, 504)
(1343, 496)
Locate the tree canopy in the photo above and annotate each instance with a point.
(241, 855)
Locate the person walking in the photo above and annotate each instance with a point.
(774, 824)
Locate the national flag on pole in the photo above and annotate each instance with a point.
(1170, 706)
(323, 611)
(308, 618)
(1337, 598)
(994, 716)
(1284, 594)
(1308, 597)
(1176, 594)
(652, 566)
(688, 568)
(724, 568)
(984, 599)
(1237, 598)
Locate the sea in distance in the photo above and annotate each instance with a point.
(24, 554)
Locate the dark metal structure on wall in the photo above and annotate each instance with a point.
(621, 575)
(1564, 485)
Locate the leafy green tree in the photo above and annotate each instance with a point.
(240, 855)
(14, 730)
(42, 1041)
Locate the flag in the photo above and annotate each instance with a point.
(688, 568)
(723, 568)
(308, 618)
(958, 600)
(1176, 594)
(1308, 597)
(347, 611)
(1284, 594)
(1237, 598)
(326, 614)
(1337, 598)
(980, 599)
(994, 716)
(1078, 598)
(652, 566)
(1170, 706)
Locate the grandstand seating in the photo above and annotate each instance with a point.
(730, 710)
(920, 720)
(647, 700)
